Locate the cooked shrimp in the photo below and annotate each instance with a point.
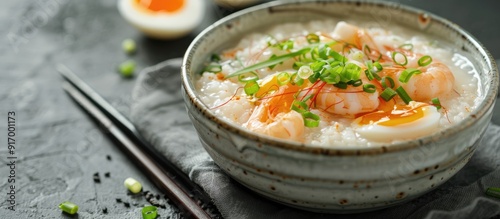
(346, 102)
(435, 80)
(357, 37)
(274, 116)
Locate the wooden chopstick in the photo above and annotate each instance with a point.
(122, 130)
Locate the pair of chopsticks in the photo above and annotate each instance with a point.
(188, 196)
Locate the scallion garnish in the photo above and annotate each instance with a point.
(215, 58)
(404, 96)
(250, 76)
(274, 61)
(369, 88)
(341, 85)
(424, 60)
(406, 46)
(129, 46)
(395, 57)
(305, 72)
(213, 68)
(493, 192)
(127, 68)
(388, 94)
(387, 79)
(356, 83)
(378, 66)
(300, 106)
(149, 212)
(296, 80)
(407, 73)
(251, 87)
(132, 185)
(312, 38)
(68, 207)
(369, 75)
(283, 78)
(436, 103)
(310, 119)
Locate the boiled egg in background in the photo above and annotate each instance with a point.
(163, 19)
(403, 123)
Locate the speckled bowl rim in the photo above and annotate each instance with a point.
(479, 112)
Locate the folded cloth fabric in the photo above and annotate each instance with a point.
(159, 113)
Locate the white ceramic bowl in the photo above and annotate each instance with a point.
(341, 180)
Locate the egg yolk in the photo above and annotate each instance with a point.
(161, 5)
(398, 116)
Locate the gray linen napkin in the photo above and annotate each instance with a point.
(158, 112)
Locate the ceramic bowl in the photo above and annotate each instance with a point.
(339, 180)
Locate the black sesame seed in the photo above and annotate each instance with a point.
(126, 204)
(119, 200)
(108, 157)
(105, 210)
(107, 174)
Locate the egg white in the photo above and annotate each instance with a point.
(164, 25)
(418, 128)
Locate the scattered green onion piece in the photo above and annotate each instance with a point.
(68, 207)
(404, 96)
(149, 212)
(304, 72)
(215, 58)
(127, 68)
(384, 82)
(436, 103)
(377, 77)
(388, 94)
(299, 106)
(297, 80)
(214, 68)
(369, 75)
(424, 61)
(394, 54)
(312, 38)
(493, 192)
(341, 85)
(251, 87)
(406, 46)
(133, 185)
(297, 65)
(273, 61)
(357, 83)
(311, 120)
(245, 78)
(378, 66)
(369, 88)
(367, 50)
(283, 78)
(407, 73)
(129, 46)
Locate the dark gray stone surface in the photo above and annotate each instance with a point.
(58, 148)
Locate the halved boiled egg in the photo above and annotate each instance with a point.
(404, 122)
(165, 19)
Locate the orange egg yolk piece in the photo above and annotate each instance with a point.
(161, 5)
(398, 116)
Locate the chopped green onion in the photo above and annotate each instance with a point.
(296, 80)
(377, 77)
(286, 45)
(367, 50)
(283, 78)
(213, 67)
(300, 106)
(357, 83)
(68, 207)
(274, 61)
(133, 185)
(127, 68)
(369, 75)
(312, 38)
(304, 72)
(407, 73)
(384, 82)
(297, 65)
(378, 66)
(215, 58)
(404, 96)
(149, 212)
(436, 103)
(424, 61)
(493, 192)
(310, 119)
(245, 78)
(406, 46)
(341, 85)
(129, 46)
(251, 87)
(369, 88)
(394, 54)
(388, 94)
